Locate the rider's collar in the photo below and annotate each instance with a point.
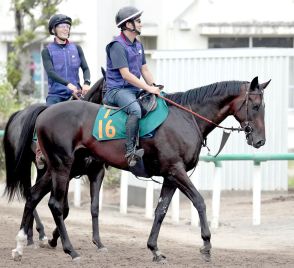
(66, 42)
(127, 40)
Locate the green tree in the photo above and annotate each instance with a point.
(31, 18)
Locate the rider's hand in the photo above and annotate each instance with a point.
(73, 88)
(85, 89)
(154, 90)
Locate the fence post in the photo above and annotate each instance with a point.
(101, 197)
(77, 193)
(124, 192)
(176, 207)
(194, 214)
(216, 194)
(256, 198)
(149, 200)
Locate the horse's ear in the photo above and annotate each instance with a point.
(254, 83)
(103, 72)
(264, 85)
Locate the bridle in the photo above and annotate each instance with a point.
(247, 128)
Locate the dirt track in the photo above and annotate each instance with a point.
(235, 244)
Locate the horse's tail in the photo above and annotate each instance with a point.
(9, 152)
(18, 175)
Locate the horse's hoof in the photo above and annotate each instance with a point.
(76, 259)
(160, 259)
(30, 243)
(52, 243)
(102, 249)
(206, 257)
(16, 255)
(43, 243)
(205, 253)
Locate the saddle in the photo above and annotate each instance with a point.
(146, 100)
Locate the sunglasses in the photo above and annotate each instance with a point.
(63, 26)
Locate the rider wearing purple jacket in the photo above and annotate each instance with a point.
(62, 60)
(125, 65)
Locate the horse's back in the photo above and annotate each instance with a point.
(66, 118)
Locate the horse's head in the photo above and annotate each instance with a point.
(248, 109)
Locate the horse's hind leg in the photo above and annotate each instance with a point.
(96, 177)
(38, 191)
(167, 192)
(186, 186)
(55, 235)
(60, 182)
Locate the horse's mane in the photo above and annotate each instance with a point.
(202, 94)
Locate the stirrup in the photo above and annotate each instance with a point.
(134, 157)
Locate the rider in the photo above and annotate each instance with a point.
(62, 60)
(126, 63)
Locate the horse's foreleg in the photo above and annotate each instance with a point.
(60, 182)
(167, 192)
(38, 191)
(186, 186)
(96, 178)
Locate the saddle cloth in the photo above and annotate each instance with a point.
(110, 127)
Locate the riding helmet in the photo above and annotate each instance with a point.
(125, 14)
(57, 19)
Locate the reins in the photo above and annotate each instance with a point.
(200, 116)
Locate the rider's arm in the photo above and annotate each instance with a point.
(84, 66)
(147, 75)
(48, 66)
(132, 79)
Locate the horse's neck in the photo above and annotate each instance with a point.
(216, 111)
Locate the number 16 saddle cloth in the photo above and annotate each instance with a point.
(110, 125)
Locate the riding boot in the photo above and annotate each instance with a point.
(40, 159)
(132, 129)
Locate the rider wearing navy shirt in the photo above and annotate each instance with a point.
(62, 60)
(126, 64)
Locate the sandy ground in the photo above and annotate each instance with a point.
(236, 243)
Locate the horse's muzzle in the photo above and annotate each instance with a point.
(259, 144)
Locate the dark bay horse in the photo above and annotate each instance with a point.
(170, 153)
(18, 173)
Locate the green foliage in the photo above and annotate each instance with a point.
(112, 178)
(8, 103)
(13, 73)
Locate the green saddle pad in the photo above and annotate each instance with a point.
(110, 127)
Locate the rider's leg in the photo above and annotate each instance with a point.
(132, 128)
(127, 98)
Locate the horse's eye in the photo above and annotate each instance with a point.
(256, 107)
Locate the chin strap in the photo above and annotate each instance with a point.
(132, 30)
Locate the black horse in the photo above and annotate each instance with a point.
(170, 153)
(18, 173)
